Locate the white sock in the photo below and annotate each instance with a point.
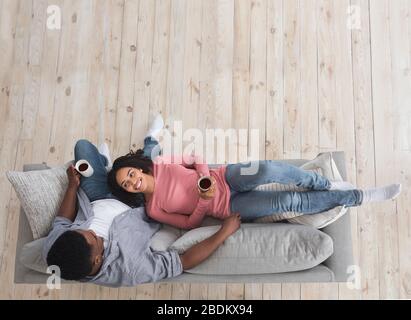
(105, 151)
(156, 125)
(341, 185)
(381, 194)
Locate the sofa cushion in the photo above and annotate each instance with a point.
(40, 193)
(261, 249)
(323, 164)
(31, 257)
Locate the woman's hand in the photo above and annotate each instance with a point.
(73, 177)
(231, 224)
(208, 195)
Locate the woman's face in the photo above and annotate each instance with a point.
(132, 179)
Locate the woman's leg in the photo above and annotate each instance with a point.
(96, 186)
(256, 204)
(273, 171)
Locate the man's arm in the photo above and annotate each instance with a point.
(201, 251)
(68, 205)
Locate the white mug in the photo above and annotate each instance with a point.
(84, 168)
(204, 183)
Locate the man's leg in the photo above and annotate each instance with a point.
(152, 148)
(255, 204)
(270, 171)
(96, 186)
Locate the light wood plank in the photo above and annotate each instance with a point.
(93, 52)
(113, 15)
(308, 80)
(400, 32)
(191, 68)
(78, 78)
(158, 93)
(275, 80)
(258, 76)
(223, 82)
(384, 137)
(175, 72)
(346, 293)
(198, 291)
(207, 76)
(162, 291)
(291, 291)
(24, 149)
(181, 291)
(404, 224)
(366, 231)
(125, 102)
(8, 27)
(143, 77)
(326, 76)
(49, 80)
(272, 291)
(235, 291)
(328, 291)
(145, 291)
(108, 293)
(241, 75)
(310, 291)
(126, 293)
(253, 291)
(344, 108)
(217, 291)
(9, 151)
(291, 113)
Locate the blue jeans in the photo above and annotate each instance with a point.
(96, 186)
(252, 204)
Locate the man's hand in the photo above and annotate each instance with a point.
(210, 193)
(202, 250)
(231, 224)
(73, 177)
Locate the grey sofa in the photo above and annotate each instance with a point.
(334, 269)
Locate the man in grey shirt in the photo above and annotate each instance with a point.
(125, 257)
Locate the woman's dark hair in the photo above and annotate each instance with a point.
(72, 254)
(136, 160)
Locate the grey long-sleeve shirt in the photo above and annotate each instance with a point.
(128, 258)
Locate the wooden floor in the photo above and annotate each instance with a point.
(312, 76)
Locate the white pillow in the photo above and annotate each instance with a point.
(260, 248)
(323, 164)
(41, 193)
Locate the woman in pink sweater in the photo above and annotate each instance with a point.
(168, 186)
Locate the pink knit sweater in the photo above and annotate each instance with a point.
(176, 201)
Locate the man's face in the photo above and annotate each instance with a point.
(96, 244)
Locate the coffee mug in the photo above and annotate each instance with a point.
(204, 183)
(84, 168)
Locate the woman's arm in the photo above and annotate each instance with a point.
(201, 251)
(181, 220)
(189, 161)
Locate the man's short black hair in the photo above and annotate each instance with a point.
(72, 254)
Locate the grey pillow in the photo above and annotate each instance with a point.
(261, 248)
(31, 257)
(323, 164)
(40, 193)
